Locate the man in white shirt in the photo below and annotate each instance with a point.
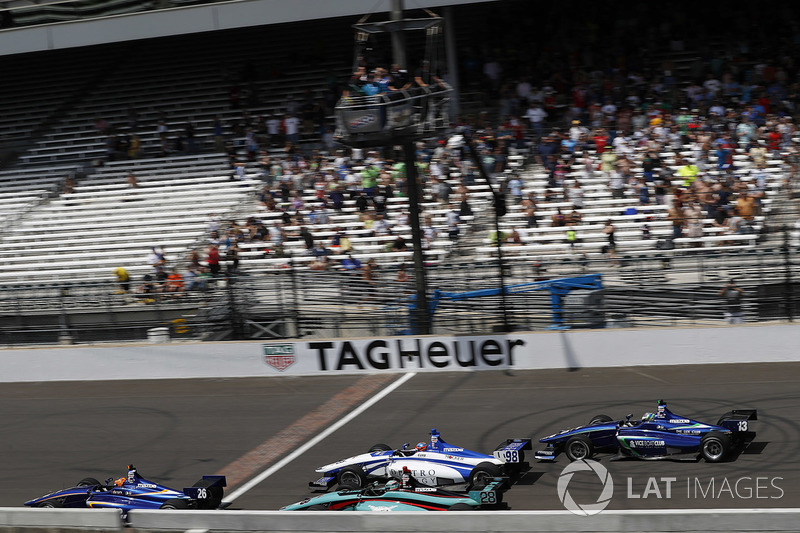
(292, 126)
(536, 115)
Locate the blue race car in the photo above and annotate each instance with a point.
(135, 492)
(656, 436)
(408, 494)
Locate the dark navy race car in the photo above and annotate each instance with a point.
(135, 492)
(656, 436)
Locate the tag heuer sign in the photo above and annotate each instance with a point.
(279, 356)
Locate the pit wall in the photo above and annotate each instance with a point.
(14, 520)
(313, 357)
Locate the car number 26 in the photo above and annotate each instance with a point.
(202, 494)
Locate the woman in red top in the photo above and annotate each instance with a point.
(213, 260)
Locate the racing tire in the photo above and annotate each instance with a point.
(175, 503)
(461, 507)
(483, 473)
(380, 447)
(352, 478)
(87, 482)
(215, 493)
(600, 419)
(714, 446)
(579, 447)
(52, 504)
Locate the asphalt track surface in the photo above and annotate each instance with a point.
(174, 431)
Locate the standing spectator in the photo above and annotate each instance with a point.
(308, 238)
(453, 222)
(212, 259)
(536, 116)
(515, 188)
(733, 302)
(291, 125)
(156, 258)
(232, 258)
(611, 247)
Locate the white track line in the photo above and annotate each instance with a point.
(316, 440)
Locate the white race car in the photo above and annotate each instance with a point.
(435, 464)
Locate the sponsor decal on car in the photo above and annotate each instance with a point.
(647, 443)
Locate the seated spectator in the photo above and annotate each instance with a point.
(321, 250)
(147, 291)
(124, 280)
(558, 219)
(174, 283)
(380, 227)
(402, 275)
(399, 245)
(320, 263)
(400, 80)
(350, 263)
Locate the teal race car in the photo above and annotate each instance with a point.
(405, 495)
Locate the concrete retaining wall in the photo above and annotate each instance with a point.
(732, 520)
(15, 518)
(553, 349)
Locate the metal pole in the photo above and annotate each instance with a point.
(452, 63)
(421, 319)
(295, 306)
(497, 197)
(787, 263)
(398, 38)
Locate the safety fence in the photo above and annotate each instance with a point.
(665, 288)
(695, 520)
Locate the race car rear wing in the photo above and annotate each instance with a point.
(510, 452)
(323, 483)
(200, 490)
(491, 495)
(738, 420)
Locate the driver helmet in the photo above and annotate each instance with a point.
(392, 484)
(121, 481)
(647, 417)
(421, 446)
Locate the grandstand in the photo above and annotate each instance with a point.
(70, 216)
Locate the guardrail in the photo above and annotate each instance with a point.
(686, 520)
